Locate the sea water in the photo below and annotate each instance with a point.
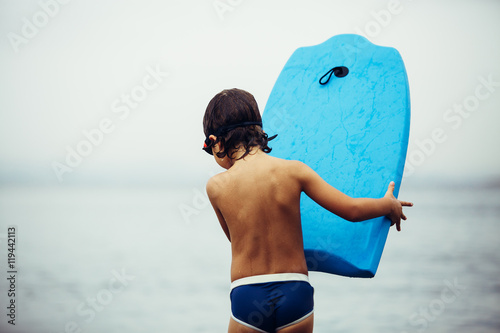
(155, 260)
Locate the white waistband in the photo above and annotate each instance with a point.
(269, 278)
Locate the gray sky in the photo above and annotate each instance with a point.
(142, 73)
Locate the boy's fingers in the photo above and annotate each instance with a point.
(403, 216)
(390, 188)
(406, 203)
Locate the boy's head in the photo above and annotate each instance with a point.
(233, 117)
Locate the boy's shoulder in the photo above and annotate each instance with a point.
(294, 169)
(286, 169)
(213, 184)
(290, 165)
(217, 183)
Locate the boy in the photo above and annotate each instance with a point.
(257, 202)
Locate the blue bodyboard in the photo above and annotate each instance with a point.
(352, 129)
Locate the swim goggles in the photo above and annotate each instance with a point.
(207, 145)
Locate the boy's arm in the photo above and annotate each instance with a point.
(212, 190)
(351, 209)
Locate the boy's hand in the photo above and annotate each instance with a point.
(396, 213)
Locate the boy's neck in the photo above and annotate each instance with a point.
(254, 151)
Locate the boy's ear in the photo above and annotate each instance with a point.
(218, 146)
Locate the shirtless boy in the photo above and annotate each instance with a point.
(257, 202)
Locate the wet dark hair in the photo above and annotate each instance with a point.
(233, 107)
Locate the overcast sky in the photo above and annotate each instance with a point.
(126, 83)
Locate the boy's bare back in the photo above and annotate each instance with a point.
(257, 201)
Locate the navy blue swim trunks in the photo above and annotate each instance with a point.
(268, 303)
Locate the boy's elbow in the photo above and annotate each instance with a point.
(356, 218)
(354, 213)
(353, 217)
